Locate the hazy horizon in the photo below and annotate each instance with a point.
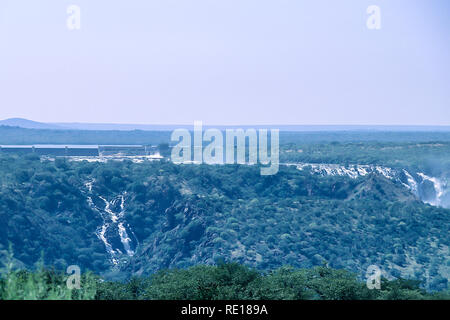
(30, 124)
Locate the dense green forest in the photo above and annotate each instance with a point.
(179, 216)
(17, 135)
(222, 282)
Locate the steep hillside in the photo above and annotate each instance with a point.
(121, 218)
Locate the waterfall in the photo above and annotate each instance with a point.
(438, 196)
(438, 186)
(114, 231)
(411, 183)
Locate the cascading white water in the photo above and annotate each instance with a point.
(125, 239)
(113, 226)
(438, 188)
(89, 184)
(101, 231)
(355, 171)
(412, 183)
(352, 171)
(109, 249)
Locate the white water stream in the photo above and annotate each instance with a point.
(114, 227)
(441, 187)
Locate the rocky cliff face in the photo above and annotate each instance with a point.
(432, 190)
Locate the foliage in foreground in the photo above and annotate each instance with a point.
(225, 281)
(42, 284)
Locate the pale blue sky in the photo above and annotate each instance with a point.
(226, 62)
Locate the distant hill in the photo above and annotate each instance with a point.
(28, 124)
